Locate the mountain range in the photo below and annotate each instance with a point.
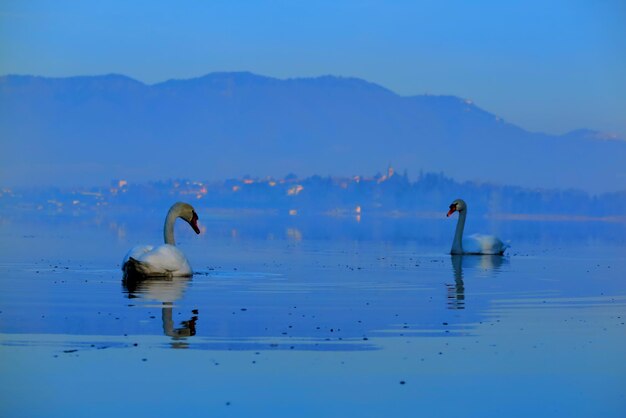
(90, 129)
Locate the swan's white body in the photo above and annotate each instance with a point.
(475, 243)
(165, 260)
(483, 244)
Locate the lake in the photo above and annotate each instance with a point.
(314, 318)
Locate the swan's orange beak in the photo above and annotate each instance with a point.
(452, 210)
(194, 223)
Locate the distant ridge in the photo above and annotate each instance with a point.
(592, 135)
(88, 129)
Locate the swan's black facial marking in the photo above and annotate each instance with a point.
(194, 222)
(452, 209)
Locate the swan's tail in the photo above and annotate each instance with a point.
(134, 269)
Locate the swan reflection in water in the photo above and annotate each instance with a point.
(480, 263)
(166, 291)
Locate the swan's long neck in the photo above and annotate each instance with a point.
(168, 229)
(457, 247)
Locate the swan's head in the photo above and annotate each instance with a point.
(457, 206)
(186, 212)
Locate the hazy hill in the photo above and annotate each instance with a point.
(83, 130)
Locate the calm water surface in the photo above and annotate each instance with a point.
(311, 321)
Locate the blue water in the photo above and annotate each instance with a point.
(314, 320)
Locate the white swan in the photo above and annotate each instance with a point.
(475, 243)
(165, 260)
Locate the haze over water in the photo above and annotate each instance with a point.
(314, 318)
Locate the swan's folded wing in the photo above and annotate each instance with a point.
(166, 259)
(136, 253)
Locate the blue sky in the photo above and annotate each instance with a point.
(547, 66)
